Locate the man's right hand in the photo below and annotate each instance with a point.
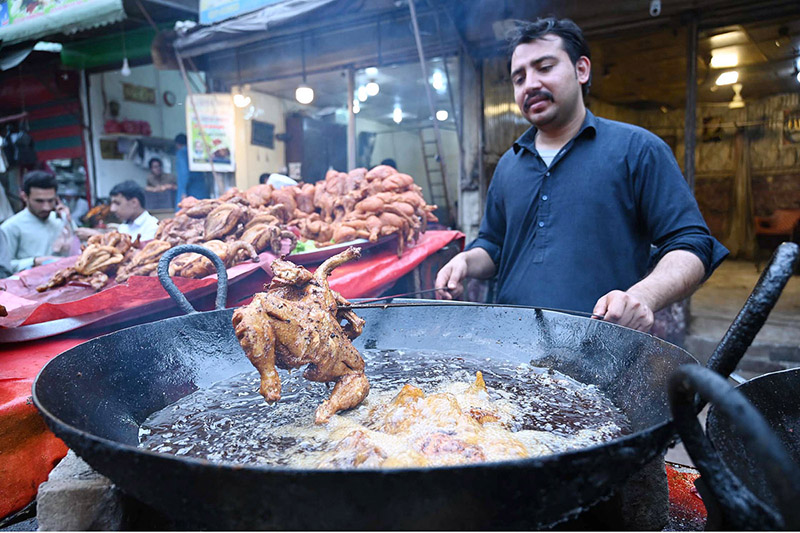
(450, 276)
(84, 233)
(44, 259)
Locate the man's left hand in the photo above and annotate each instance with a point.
(625, 309)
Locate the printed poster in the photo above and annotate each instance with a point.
(215, 140)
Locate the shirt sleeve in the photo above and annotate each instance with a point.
(5, 258)
(668, 209)
(493, 226)
(12, 235)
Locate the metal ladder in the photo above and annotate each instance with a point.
(435, 176)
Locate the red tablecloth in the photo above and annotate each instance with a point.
(28, 451)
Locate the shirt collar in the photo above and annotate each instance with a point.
(527, 139)
(138, 221)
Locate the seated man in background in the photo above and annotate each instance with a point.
(158, 180)
(34, 234)
(128, 204)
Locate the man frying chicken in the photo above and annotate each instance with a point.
(578, 201)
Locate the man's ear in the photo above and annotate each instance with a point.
(583, 69)
(24, 197)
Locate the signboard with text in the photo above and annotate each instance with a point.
(215, 10)
(211, 139)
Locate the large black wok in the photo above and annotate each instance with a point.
(96, 395)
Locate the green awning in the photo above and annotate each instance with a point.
(39, 19)
(108, 49)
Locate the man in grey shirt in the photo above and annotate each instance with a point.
(32, 232)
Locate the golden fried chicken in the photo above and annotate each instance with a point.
(192, 265)
(144, 262)
(297, 322)
(222, 221)
(103, 254)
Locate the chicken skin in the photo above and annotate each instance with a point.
(297, 321)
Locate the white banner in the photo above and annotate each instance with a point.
(213, 142)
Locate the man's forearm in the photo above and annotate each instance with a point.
(479, 264)
(676, 276)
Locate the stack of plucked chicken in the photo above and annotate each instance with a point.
(361, 204)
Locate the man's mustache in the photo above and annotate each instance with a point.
(536, 94)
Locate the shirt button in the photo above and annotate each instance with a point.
(541, 224)
(544, 197)
(547, 174)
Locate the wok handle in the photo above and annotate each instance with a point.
(755, 311)
(172, 289)
(729, 503)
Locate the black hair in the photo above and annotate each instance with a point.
(180, 139)
(575, 44)
(39, 179)
(154, 159)
(389, 162)
(129, 189)
(262, 179)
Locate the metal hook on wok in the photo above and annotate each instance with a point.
(172, 289)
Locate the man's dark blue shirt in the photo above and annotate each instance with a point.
(566, 235)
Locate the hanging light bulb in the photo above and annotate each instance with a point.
(371, 71)
(304, 94)
(126, 68)
(442, 115)
(397, 114)
(372, 88)
(356, 106)
(437, 80)
(361, 94)
(240, 100)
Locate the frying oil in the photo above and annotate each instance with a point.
(544, 410)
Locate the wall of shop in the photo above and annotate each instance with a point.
(165, 121)
(253, 160)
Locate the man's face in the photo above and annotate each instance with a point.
(547, 86)
(125, 209)
(155, 168)
(41, 201)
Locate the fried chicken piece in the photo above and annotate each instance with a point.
(222, 221)
(192, 265)
(103, 253)
(296, 323)
(200, 209)
(144, 262)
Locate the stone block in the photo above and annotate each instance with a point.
(76, 498)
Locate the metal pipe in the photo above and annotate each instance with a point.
(351, 119)
(431, 108)
(690, 132)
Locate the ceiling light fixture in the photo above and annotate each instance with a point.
(371, 71)
(442, 115)
(437, 81)
(738, 101)
(397, 114)
(126, 68)
(356, 106)
(304, 94)
(239, 99)
(724, 59)
(727, 78)
(361, 94)
(372, 88)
